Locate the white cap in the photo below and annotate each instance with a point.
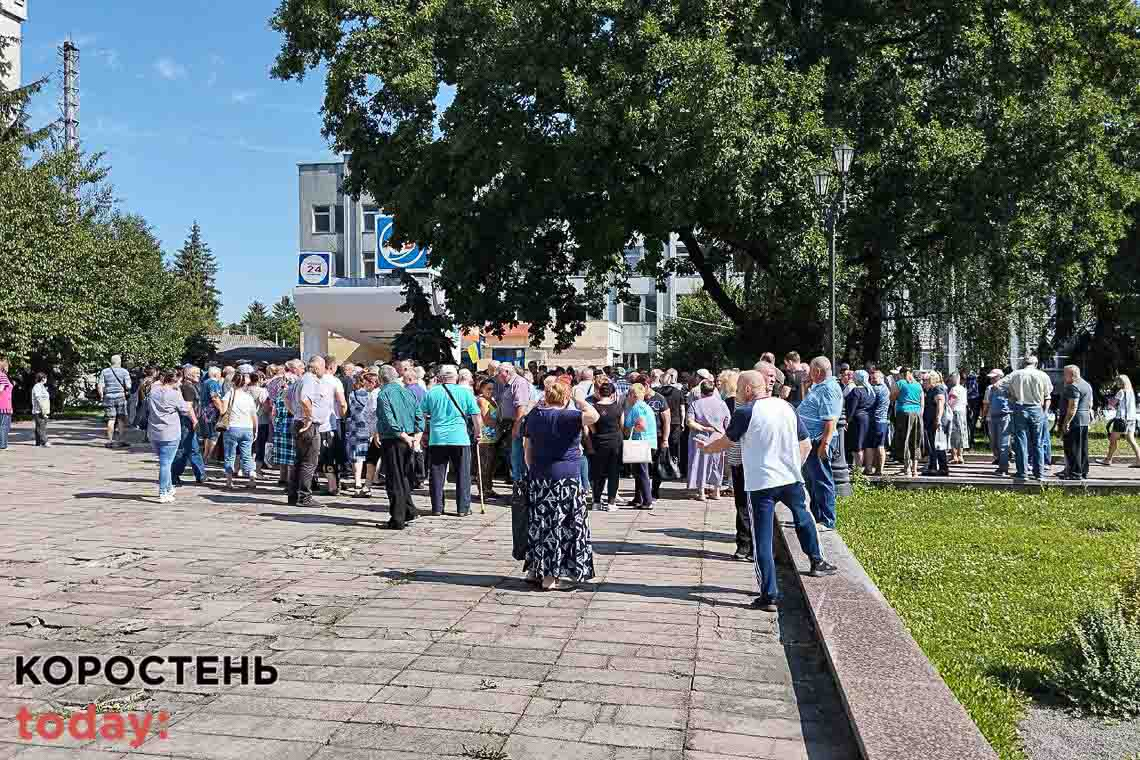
(704, 374)
(996, 373)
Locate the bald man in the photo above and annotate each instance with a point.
(773, 445)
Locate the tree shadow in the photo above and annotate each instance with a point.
(695, 535)
(113, 496)
(327, 519)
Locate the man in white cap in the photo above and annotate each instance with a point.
(995, 409)
(1030, 391)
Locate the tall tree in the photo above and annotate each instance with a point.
(14, 130)
(257, 322)
(425, 337)
(195, 264)
(286, 322)
(994, 147)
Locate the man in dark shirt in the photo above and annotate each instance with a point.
(1077, 417)
(661, 412)
(674, 398)
(794, 379)
(188, 444)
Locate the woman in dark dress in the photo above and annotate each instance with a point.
(605, 444)
(558, 544)
(858, 407)
(933, 412)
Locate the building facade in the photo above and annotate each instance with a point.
(13, 14)
(355, 316)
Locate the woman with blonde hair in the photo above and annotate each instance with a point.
(641, 425)
(1125, 421)
(558, 534)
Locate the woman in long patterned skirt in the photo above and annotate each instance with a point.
(284, 450)
(558, 545)
(361, 423)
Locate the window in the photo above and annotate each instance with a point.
(370, 214)
(322, 219)
(632, 313)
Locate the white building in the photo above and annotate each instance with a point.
(353, 313)
(13, 14)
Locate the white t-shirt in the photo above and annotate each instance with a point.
(958, 398)
(243, 410)
(331, 384)
(769, 433)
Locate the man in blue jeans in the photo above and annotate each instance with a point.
(188, 451)
(819, 411)
(1029, 392)
(773, 446)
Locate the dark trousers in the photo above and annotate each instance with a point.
(188, 453)
(936, 460)
(973, 410)
(264, 431)
(503, 447)
(683, 454)
(743, 513)
(308, 456)
(660, 454)
(459, 460)
(41, 429)
(1077, 450)
(605, 470)
(675, 444)
(643, 487)
(396, 462)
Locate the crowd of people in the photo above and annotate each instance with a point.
(563, 438)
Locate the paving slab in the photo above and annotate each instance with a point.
(390, 645)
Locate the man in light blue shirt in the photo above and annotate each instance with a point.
(448, 407)
(819, 411)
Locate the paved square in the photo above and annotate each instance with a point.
(416, 644)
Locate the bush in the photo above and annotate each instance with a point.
(1130, 591)
(1101, 673)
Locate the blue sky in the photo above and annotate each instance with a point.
(178, 95)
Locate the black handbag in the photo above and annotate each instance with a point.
(470, 424)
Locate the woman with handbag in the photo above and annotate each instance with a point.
(936, 424)
(641, 424)
(707, 420)
(558, 534)
(239, 421)
(605, 443)
(488, 438)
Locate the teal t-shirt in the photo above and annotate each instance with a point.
(910, 397)
(447, 427)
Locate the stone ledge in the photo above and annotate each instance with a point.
(898, 705)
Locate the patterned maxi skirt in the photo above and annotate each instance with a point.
(559, 537)
(284, 448)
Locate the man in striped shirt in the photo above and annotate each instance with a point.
(114, 387)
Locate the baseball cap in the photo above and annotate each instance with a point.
(896, 370)
(704, 374)
(245, 369)
(996, 373)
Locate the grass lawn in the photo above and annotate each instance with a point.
(988, 582)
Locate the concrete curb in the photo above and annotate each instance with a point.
(898, 706)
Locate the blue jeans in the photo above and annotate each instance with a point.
(1046, 440)
(821, 483)
(188, 452)
(518, 462)
(5, 426)
(239, 441)
(999, 440)
(763, 509)
(584, 472)
(166, 451)
(1027, 421)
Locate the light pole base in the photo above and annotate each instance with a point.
(839, 469)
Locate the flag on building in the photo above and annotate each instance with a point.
(474, 351)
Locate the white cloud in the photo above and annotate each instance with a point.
(168, 68)
(109, 56)
(242, 96)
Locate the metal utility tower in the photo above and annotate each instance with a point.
(69, 103)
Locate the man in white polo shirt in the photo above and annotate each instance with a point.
(773, 447)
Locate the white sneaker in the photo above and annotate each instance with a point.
(166, 498)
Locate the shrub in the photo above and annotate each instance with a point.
(1130, 590)
(1101, 673)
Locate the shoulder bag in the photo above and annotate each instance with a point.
(472, 427)
(224, 419)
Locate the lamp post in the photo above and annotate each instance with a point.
(833, 205)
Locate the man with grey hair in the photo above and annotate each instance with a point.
(114, 387)
(310, 402)
(189, 451)
(820, 410)
(1030, 390)
(450, 408)
(399, 426)
(466, 379)
(1077, 403)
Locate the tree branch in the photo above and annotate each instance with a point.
(713, 286)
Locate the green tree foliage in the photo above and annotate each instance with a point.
(286, 322)
(700, 336)
(425, 337)
(196, 265)
(84, 279)
(996, 151)
(257, 321)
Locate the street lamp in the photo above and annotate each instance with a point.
(832, 206)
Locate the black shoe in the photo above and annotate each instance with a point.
(1001, 473)
(760, 603)
(411, 516)
(739, 557)
(292, 502)
(822, 567)
(390, 526)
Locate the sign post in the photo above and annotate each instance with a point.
(314, 270)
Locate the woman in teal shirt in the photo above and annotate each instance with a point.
(908, 421)
(448, 406)
(642, 424)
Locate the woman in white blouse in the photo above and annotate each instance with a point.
(1124, 423)
(241, 429)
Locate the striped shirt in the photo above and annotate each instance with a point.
(115, 381)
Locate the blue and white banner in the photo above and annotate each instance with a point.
(314, 269)
(388, 257)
